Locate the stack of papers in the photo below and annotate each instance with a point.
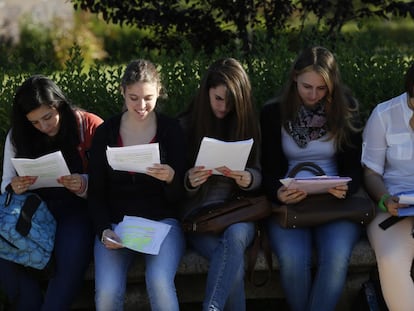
(315, 184)
(47, 168)
(215, 153)
(141, 234)
(406, 198)
(133, 158)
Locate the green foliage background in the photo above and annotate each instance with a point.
(372, 63)
(373, 59)
(372, 68)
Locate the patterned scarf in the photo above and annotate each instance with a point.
(310, 124)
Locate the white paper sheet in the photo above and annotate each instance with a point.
(215, 153)
(316, 184)
(47, 168)
(133, 158)
(141, 234)
(406, 197)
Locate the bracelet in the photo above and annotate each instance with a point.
(381, 202)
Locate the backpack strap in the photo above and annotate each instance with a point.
(24, 222)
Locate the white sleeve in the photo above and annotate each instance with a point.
(8, 169)
(374, 145)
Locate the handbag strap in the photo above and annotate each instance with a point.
(260, 242)
(306, 166)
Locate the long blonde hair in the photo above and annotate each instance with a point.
(340, 105)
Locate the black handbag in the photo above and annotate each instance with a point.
(318, 209)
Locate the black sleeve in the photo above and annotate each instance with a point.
(349, 160)
(173, 153)
(274, 163)
(98, 181)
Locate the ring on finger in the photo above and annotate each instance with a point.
(196, 179)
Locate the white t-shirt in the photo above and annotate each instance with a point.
(388, 144)
(8, 169)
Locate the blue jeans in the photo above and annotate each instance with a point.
(294, 249)
(111, 269)
(72, 252)
(225, 252)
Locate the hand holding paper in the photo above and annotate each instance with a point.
(47, 169)
(133, 158)
(141, 234)
(222, 169)
(316, 184)
(215, 154)
(242, 178)
(406, 198)
(162, 172)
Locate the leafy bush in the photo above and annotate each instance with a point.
(34, 52)
(373, 73)
(210, 23)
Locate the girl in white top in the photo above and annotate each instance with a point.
(387, 156)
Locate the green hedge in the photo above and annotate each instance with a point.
(373, 73)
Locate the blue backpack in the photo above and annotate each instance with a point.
(27, 229)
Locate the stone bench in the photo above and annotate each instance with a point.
(191, 277)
